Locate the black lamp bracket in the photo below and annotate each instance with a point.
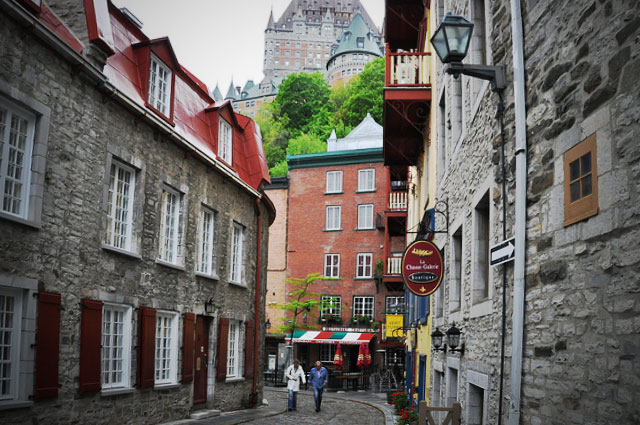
(495, 74)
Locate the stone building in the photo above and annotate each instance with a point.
(134, 226)
(571, 300)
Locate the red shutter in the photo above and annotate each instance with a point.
(90, 343)
(249, 348)
(47, 346)
(187, 348)
(223, 340)
(146, 346)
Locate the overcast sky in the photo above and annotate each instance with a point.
(218, 39)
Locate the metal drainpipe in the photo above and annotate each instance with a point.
(256, 328)
(521, 211)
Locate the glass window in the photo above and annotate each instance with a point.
(332, 265)
(166, 348)
(327, 352)
(234, 350)
(581, 181)
(364, 265)
(331, 305)
(333, 217)
(159, 85)
(170, 229)
(116, 346)
(119, 220)
(334, 182)
(206, 244)
(366, 180)
(225, 141)
(237, 260)
(365, 216)
(394, 305)
(363, 306)
(10, 328)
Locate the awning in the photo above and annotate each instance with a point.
(315, 337)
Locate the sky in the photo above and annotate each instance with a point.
(218, 40)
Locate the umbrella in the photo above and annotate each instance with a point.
(337, 359)
(367, 355)
(361, 361)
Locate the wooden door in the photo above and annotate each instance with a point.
(201, 360)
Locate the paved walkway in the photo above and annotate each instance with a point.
(353, 408)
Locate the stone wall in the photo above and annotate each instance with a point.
(582, 293)
(65, 254)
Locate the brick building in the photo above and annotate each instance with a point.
(134, 226)
(336, 203)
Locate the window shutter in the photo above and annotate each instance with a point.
(47, 346)
(146, 346)
(249, 348)
(187, 348)
(223, 340)
(90, 344)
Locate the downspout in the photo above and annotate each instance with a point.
(256, 328)
(521, 212)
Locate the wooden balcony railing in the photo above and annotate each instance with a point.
(394, 265)
(398, 201)
(408, 69)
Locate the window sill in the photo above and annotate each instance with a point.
(241, 285)
(367, 229)
(16, 404)
(208, 276)
(363, 278)
(116, 391)
(20, 220)
(170, 386)
(169, 265)
(334, 193)
(124, 252)
(366, 191)
(332, 230)
(234, 379)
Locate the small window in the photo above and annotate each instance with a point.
(363, 306)
(237, 257)
(333, 217)
(581, 181)
(330, 305)
(10, 330)
(159, 86)
(360, 42)
(116, 346)
(332, 265)
(366, 180)
(206, 261)
(334, 182)
(225, 141)
(394, 305)
(365, 217)
(170, 229)
(119, 220)
(166, 356)
(234, 350)
(327, 352)
(364, 265)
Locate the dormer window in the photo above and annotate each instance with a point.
(159, 86)
(225, 141)
(360, 42)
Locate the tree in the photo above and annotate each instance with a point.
(364, 93)
(301, 301)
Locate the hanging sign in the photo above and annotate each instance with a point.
(422, 268)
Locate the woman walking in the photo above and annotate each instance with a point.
(294, 374)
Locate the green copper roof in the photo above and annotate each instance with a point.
(334, 158)
(358, 37)
(217, 94)
(231, 93)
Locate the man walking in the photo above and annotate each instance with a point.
(318, 378)
(294, 374)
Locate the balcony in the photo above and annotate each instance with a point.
(398, 201)
(394, 265)
(407, 103)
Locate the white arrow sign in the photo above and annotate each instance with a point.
(502, 252)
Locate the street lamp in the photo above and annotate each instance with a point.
(453, 339)
(436, 340)
(267, 324)
(451, 42)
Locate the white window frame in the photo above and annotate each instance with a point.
(327, 353)
(9, 112)
(333, 219)
(159, 96)
(398, 302)
(364, 270)
(335, 305)
(235, 350)
(367, 180)
(166, 348)
(15, 345)
(170, 248)
(225, 141)
(332, 261)
(119, 213)
(236, 266)
(206, 261)
(365, 217)
(365, 302)
(124, 346)
(334, 182)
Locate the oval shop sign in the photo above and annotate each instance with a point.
(422, 267)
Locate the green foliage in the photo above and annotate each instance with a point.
(301, 301)
(305, 144)
(364, 94)
(399, 401)
(281, 169)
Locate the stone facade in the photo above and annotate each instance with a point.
(582, 305)
(63, 251)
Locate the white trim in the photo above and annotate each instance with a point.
(206, 264)
(236, 265)
(367, 180)
(225, 141)
(332, 265)
(235, 351)
(365, 217)
(157, 97)
(15, 343)
(364, 255)
(170, 233)
(333, 182)
(125, 382)
(113, 195)
(169, 351)
(363, 311)
(333, 217)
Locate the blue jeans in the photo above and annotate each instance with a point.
(293, 396)
(317, 396)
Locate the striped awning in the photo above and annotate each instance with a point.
(316, 337)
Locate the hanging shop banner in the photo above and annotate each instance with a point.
(394, 324)
(422, 268)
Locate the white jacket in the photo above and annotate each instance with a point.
(294, 377)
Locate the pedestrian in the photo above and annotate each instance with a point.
(294, 374)
(318, 378)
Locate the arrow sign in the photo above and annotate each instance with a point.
(502, 252)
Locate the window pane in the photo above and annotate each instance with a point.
(586, 185)
(575, 191)
(585, 163)
(574, 170)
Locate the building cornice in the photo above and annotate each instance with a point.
(324, 159)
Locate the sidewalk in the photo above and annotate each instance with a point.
(277, 406)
